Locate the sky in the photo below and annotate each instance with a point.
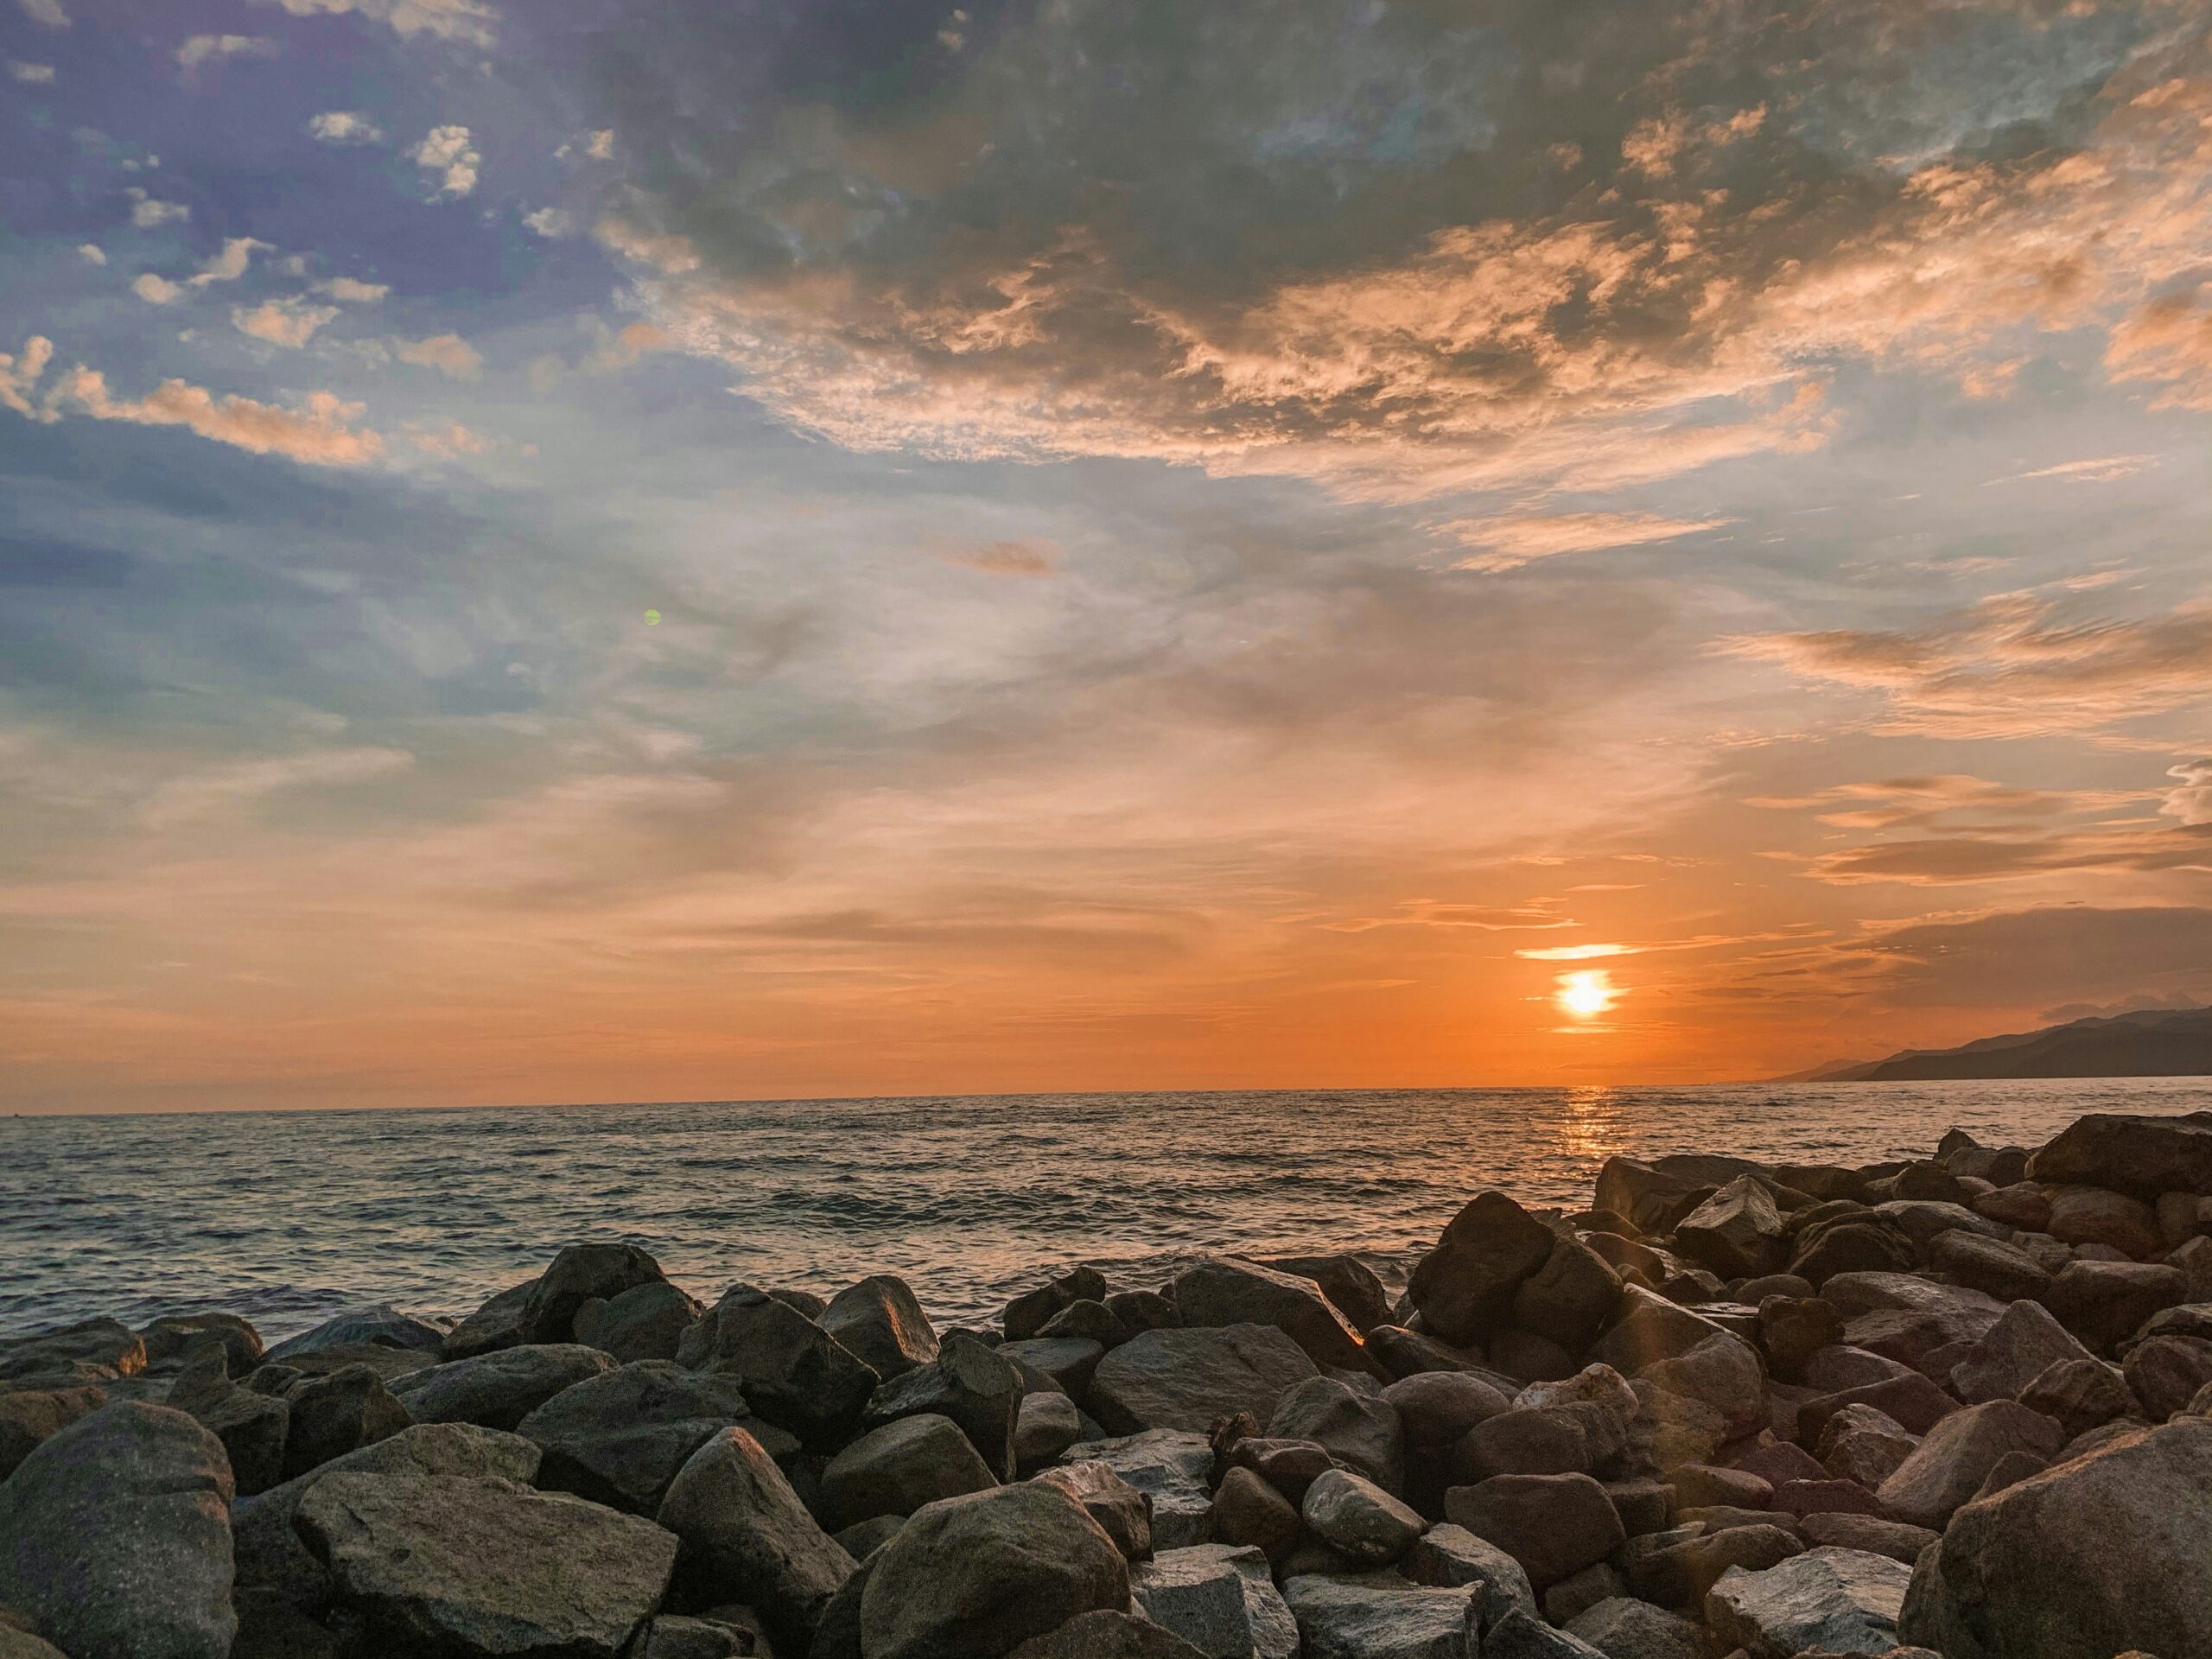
(705, 549)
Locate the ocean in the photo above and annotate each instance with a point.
(288, 1218)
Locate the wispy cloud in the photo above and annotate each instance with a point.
(1522, 539)
(450, 354)
(288, 323)
(470, 22)
(203, 49)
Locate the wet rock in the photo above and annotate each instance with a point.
(1247, 1510)
(1951, 1461)
(2166, 1373)
(1348, 1282)
(1864, 1445)
(1465, 1286)
(332, 1414)
(1359, 1519)
(1553, 1525)
(578, 1274)
(2091, 1215)
(981, 1574)
(2004, 1271)
(1827, 1600)
(448, 1564)
(167, 1338)
(2020, 1346)
(1229, 1291)
(378, 1326)
(105, 1344)
(2141, 1155)
(1108, 1636)
(1872, 1534)
(1173, 1468)
(2094, 1556)
(115, 1537)
(745, 1536)
(794, 1373)
(879, 1322)
(1361, 1430)
(496, 1324)
(1186, 1379)
(647, 1321)
(1220, 1598)
(1736, 1233)
(896, 1469)
(2101, 1302)
(28, 1416)
(1621, 1627)
(619, 1438)
(1569, 1299)
(498, 1389)
(1027, 1313)
(1122, 1511)
(251, 1426)
(1045, 1425)
(2079, 1395)
(968, 1382)
(1437, 1408)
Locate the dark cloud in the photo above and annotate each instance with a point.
(2037, 958)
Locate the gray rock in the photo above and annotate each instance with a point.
(896, 1469)
(863, 1538)
(1348, 1282)
(747, 1538)
(448, 1564)
(1027, 1313)
(1064, 1362)
(1954, 1457)
(1108, 1636)
(1248, 1510)
(1379, 1616)
(1538, 1442)
(1360, 1520)
(672, 1636)
(794, 1373)
(1465, 1287)
(1737, 1232)
(1437, 1408)
(378, 1326)
(1452, 1556)
(166, 1339)
(1047, 1424)
(2097, 1555)
(1869, 1533)
(979, 1575)
(1360, 1428)
(1571, 1297)
(1171, 1467)
(1724, 1372)
(115, 1537)
(1220, 1598)
(338, 1412)
(644, 1322)
(620, 1437)
(251, 1427)
(1123, 1511)
(1231, 1291)
(1553, 1525)
(968, 1382)
(1677, 1571)
(102, 1346)
(269, 1552)
(2103, 1302)
(2023, 1344)
(2002, 1270)
(2091, 1215)
(2167, 1372)
(27, 1416)
(1143, 1310)
(1621, 1627)
(1649, 1329)
(1190, 1379)
(1087, 1322)
(1521, 1635)
(2142, 1156)
(1579, 1591)
(1864, 1445)
(580, 1273)
(498, 1389)
(879, 1321)
(496, 1324)
(1835, 1601)
(22, 1644)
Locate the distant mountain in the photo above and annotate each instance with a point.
(2154, 1043)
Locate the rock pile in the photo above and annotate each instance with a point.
(1958, 1405)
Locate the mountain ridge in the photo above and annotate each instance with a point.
(2147, 1043)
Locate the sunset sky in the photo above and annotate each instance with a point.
(667, 549)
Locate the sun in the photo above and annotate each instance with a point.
(1587, 993)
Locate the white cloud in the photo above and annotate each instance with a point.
(449, 152)
(344, 127)
(31, 74)
(154, 291)
(2191, 802)
(450, 354)
(469, 21)
(319, 433)
(600, 145)
(92, 254)
(289, 323)
(146, 213)
(353, 291)
(206, 49)
(1522, 538)
(229, 264)
(2104, 469)
(48, 12)
(18, 375)
(550, 221)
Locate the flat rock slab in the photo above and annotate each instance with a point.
(1826, 1600)
(1190, 1379)
(1379, 1616)
(1171, 1467)
(498, 1389)
(446, 1564)
(1220, 1598)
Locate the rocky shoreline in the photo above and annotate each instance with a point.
(1959, 1406)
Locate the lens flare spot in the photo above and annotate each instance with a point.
(1587, 993)
(652, 619)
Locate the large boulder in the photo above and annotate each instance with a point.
(1173, 1468)
(1105, 1635)
(1723, 1372)
(1220, 1598)
(981, 1574)
(448, 1564)
(2098, 1555)
(1361, 1429)
(1568, 1300)
(580, 1273)
(2142, 1156)
(1230, 1291)
(29, 1416)
(1465, 1286)
(2166, 1373)
(1189, 1379)
(496, 1323)
(72, 1352)
(1830, 1601)
(1123, 1512)
(968, 1382)
(1648, 1329)
(1379, 1616)
(619, 1438)
(498, 1389)
(251, 1427)
(747, 1538)
(1738, 1232)
(879, 1320)
(1358, 1520)
(1952, 1459)
(2103, 1302)
(377, 1326)
(1621, 1627)
(646, 1321)
(1348, 1282)
(1553, 1525)
(1437, 1407)
(1449, 1556)
(168, 1336)
(2024, 1344)
(338, 1412)
(794, 1373)
(115, 1537)
(2091, 1215)
(898, 1468)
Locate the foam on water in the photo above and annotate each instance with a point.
(287, 1218)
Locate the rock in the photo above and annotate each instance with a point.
(879, 1321)
(1108, 1636)
(115, 1537)
(1348, 1282)
(1409, 1353)
(1698, 1486)
(1220, 1598)
(1869, 1533)
(897, 1468)
(267, 1549)
(1173, 1468)
(376, 1327)
(1737, 1232)
(1527, 1358)
(1830, 1600)
(1650, 1329)
(1187, 1379)
(1570, 1298)
(2185, 1319)
(1088, 1322)
(1045, 1425)
(389, 1364)
(251, 1426)
(2103, 1302)
(578, 1274)
(970, 1383)
(1644, 1503)
(2096, 1555)
(1652, 1196)
(335, 1414)
(1361, 1430)
(498, 1389)
(1552, 1524)
(106, 1344)
(1623, 1628)
(2142, 1155)
(2024, 1204)
(1064, 1362)
(1437, 1408)
(1864, 1445)
(1792, 1329)
(2012, 1466)
(1953, 1458)
(29, 1416)
(1122, 1511)
(1670, 1431)
(1359, 1519)
(1834, 1370)
(2194, 1259)
(1247, 1510)
(746, 1537)
(2023, 1344)
(166, 1339)
(1230, 1291)
(1539, 1442)
(647, 1321)
(1027, 1313)
(619, 1438)
(1521, 1635)
(496, 1324)
(1852, 1247)
(1465, 1286)
(2090, 1215)
(1579, 1591)
(444, 1563)
(672, 1636)
(1451, 1556)
(1723, 1372)
(2166, 1373)
(981, 1574)
(2079, 1395)
(1289, 1466)
(1924, 1221)
(1143, 1310)
(1378, 1616)
(1678, 1572)
(794, 1373)
(863, 1538)
(2004, 1271)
